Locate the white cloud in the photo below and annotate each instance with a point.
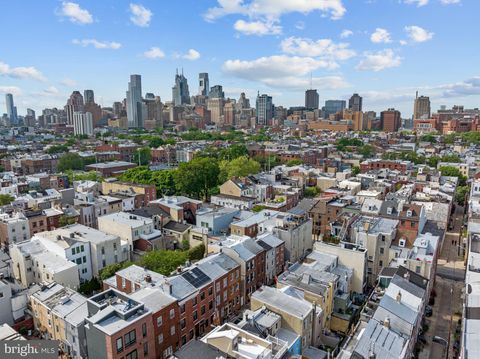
(75, 13)
(274, 9)
(154, 53)
(97, 44)
(419, 3)
(418, 34)
(14, 90)
(402, 42)
(450, 2)
(378, 61)
(380, 36)
(467, 87)
(140, 15)
(282, 71)
(300, 25)
(51, 90)
(346, 33)
(191, 55)
(258, 28)
(323, 48)
(21, 72)
(68, 82)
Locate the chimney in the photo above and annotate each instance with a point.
(386, 323)
(406, 276)
(399, 297)
(148, 278)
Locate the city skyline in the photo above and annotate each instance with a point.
(277, 51)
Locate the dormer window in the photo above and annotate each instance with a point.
(409, 213)
(389, 210)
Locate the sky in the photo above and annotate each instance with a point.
(385, 50)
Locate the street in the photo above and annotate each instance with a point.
(449, 284)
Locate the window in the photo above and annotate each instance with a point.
(194, 301)
(202, 295)
(103, 250)
(104, 263)
(183, 324)
(130, 338)
(195, 315)
(202, 310)
(84, 259)
(210, 290)
(182, 308)
(382, 250)
(172, 330)
(184, 340)
(160, 338)
(145, 349)
(82, 248)
(119, 345)
(167, 352)
(73, 251)
(172, 313)
(79, 261)
(159, 321)
(417, 269)
(191, 334)
(380, 263)
(132, 355)
(210, 304)
(224, 282)
(144, 329)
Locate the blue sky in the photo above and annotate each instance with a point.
(383, 49)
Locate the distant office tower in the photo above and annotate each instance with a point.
(229, 113)
(203, 84)
(74, 104)
(243, 102)
(421, 107)
(134, 102)
(11, 109)
(88, 96)
(216, 92)
(30, 118)
(216, 106)
(180, 93)
(333, 106)
(83, 123)
(118, 109)
(390, 120)
(264, 108)
(311, 99)
(369, 119)
(355, 102)
(154, 112)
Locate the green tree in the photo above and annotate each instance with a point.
(428, 138)
(70, 161)
(57, 149)
(197, 252)
(311, 192)
(367, 151)
(5, 199)
(295, 162)
(239, 167)
(197, 177)
(164, 180)
(355, 170)
(66, 220)
(258, 208)
(452, 171)
(461, 194)
(163, 261)
(144, 154)
(89, 287)
(111, 269)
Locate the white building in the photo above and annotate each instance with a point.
(83, 123)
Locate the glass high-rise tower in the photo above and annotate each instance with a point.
(11, 109)
(203, 84)
(180, 93)
(134, 102)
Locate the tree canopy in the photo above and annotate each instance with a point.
(70, 161)
(197, 177)
(239, 167)
(5, 199)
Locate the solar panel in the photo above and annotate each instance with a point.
(196, 277)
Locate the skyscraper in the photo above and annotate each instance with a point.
(11, 109)
(264, 109)
(390, 120)
(203, 84)
(355, 102)
(74, 104)
(311, 99)
(243, 101)
(82, 123)
(421, 107)
(134, 102)
(88, 96)
(216, 92)
(333, 106)
(180, 93)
